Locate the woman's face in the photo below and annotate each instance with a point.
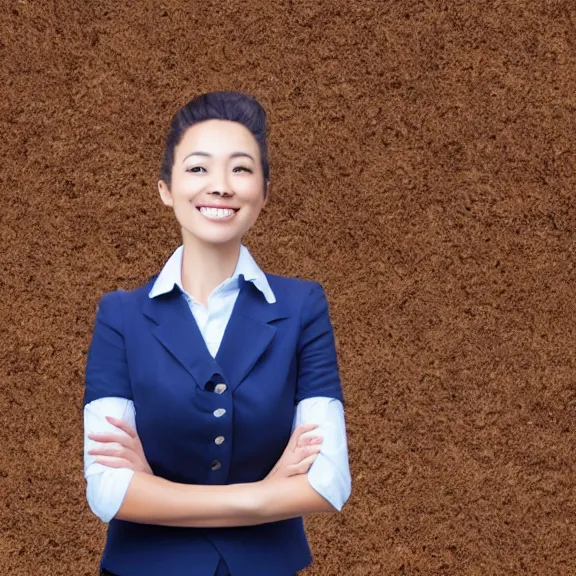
(217, 188)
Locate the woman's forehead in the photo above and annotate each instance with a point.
(218, 138)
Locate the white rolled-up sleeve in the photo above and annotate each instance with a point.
(105, 487)
(329, 475)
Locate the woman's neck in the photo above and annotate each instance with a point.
(205, 266)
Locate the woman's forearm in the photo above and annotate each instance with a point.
(153, 500)
(283, 498)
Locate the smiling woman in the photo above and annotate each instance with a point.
(213, 409)
(224, 157)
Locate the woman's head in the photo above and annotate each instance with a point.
(232, 106)
(215, 168)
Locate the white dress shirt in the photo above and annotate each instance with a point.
(329, 475)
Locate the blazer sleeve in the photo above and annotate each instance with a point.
(107, 367)
(318, 373)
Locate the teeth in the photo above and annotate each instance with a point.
(216, 212)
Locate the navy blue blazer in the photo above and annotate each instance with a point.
(150, 350)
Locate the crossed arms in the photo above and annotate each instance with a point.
(309, 477)
(120, 483)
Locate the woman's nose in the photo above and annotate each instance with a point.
(223, 193)
(220, 185)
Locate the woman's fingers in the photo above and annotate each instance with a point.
(120, 458)
(302, 449)
(303, 452)
(304, 465)
(310, 440)
(122, 425)
(299, 431)
(126, 439)
(115, 462)
(116, 451)
(110, 437)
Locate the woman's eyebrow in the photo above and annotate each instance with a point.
(207, 155)
(241, 155)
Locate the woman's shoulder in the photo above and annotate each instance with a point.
(293, 287)
(294, 282)
(129, 295)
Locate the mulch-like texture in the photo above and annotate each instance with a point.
(423, 161)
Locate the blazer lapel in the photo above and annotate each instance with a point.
(248, 334)
(178, 332)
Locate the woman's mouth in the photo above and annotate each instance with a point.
(217, 213)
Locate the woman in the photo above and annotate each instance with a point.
(213, 407)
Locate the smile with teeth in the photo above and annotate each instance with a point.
(217, 213)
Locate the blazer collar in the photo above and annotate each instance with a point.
(171, 275)
(250, 331)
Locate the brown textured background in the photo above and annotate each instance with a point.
(423, 168)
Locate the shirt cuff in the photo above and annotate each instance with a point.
(106, 491)
(105, 487)
(329, 475)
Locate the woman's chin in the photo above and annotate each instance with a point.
(215, 239)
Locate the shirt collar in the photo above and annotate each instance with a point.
(171, 275)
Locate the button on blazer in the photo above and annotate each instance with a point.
(205, 420)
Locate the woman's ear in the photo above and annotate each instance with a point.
(165, 193)
(266, 192)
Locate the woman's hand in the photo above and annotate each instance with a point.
(129, 453)
(300, 453)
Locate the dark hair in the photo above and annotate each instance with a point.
(233, 106)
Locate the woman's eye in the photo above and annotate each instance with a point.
(195, 169)
(242, 169)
